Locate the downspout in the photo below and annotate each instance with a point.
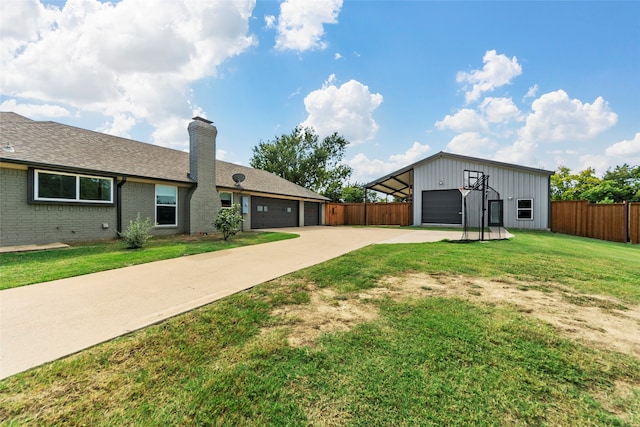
(119, 203)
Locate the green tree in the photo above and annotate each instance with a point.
(229, 221)
(626, 179)
(617, 185)
(303, 158)
(568, 186)
(353, 193)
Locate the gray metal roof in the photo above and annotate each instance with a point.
(400, 182)
(50, 144)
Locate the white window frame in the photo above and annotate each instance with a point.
(77, 199)
(227, 192)
(519, 209)
(175, 206)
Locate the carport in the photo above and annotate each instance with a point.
(397, 184)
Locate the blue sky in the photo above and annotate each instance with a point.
(541, 84)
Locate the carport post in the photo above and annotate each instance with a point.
(365, 206)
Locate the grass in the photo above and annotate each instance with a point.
(423, 361)
(25, 268)
(543, 259)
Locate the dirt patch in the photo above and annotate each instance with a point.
(600, 321)
(326, 311)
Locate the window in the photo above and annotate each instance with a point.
(226, 198)
(66, 187)
(525, 209)
(166, 205)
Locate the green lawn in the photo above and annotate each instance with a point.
(427, 361)
(25, 268)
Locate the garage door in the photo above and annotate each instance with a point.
(273, 213)
(311, 213)
(442, 207)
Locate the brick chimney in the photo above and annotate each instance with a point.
(205, 201)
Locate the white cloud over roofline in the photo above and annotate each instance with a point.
(132, 60)
(366, 169)
(471, 144)
(346, 109)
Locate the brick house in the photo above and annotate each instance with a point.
(60, 183)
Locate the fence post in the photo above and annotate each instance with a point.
(627, 225)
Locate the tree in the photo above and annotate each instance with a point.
(617, 185)
(627, 181)
(304, 159)
(568, 186)
(353, 193)
(229, 221)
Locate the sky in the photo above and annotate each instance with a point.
(541, 84)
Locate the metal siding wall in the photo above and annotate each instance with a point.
(508, 182)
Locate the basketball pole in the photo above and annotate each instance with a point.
(484, 197)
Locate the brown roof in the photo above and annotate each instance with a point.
(50, 144)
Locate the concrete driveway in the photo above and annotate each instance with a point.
(44, 322)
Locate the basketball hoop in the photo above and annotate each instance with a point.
(465, 191)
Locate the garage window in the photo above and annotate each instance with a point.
(166, 205)
(525, 209)
(226, 198)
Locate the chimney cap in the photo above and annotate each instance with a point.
(202, 120)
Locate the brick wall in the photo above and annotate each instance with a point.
(140, 197)
(22, 223)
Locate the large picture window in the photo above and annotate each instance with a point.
(166, 205)
(525, 209)
(66, 187)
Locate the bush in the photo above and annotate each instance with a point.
(228, 221)
(138, 232)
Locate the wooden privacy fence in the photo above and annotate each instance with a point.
(375, 214)
(619, 222)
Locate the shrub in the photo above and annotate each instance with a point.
(228, 221)
(138, 232)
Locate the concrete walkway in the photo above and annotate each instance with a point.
(44, 322)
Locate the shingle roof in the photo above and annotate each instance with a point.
(56, 145)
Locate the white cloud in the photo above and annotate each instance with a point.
(498, 71)
(463, 121)
(337, 56)
(521, 152)
(131, 61)
(555, 117)
(121, 125)
(270, 21)
(365, 169)
(531, 93)
(301, 23)
(35, 111)
(346, 109)
(597, 162)
(471, 144)
(626, 149)
(499, 110)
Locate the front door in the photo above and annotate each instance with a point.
(496, 217)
